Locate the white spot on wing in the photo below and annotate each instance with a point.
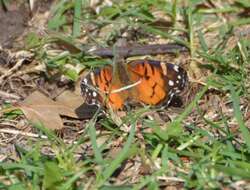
(179, 76)
(176, 68)
(94, 94)
(85, 81)
(93, 102)
(168, 101)
(171, 83)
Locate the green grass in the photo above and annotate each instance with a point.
(216, 156)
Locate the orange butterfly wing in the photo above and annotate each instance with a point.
(156, 83)
(98, 89)
(151, 89)
(159, 81)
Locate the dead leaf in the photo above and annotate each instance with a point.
(70, 99)
(74, 101)
(39, 108)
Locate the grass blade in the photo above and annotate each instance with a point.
(190, 107)
(92, 134)
(164, 34)
(237, 113)
(69, 183)
(118, 160)
(26, 167)
(77, 18)
(232, 171)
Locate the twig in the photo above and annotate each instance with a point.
(7, 95)
(31, 4)
(171, 179)
(137, 50)
(12, 70)
(16, 132)
(2, 158)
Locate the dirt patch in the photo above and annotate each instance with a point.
(15, 17)
(13, 20)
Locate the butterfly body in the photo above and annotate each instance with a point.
(144, 81)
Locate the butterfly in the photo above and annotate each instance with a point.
(145, 81)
